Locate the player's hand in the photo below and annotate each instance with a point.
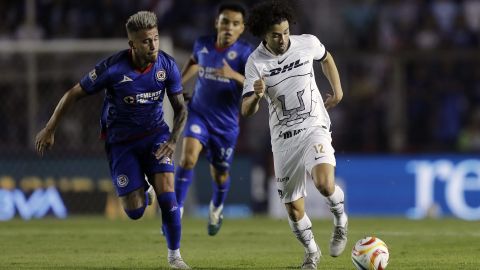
(259, 87)
(165, 150)
(226, 71)
(44, 140)
(332, 101)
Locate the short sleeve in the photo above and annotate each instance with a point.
(174, 79)
(251, 75)
(96, 80)
(318, 50)
(196, 48)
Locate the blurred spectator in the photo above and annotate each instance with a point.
(413, 46)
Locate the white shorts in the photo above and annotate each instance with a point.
(294, 165)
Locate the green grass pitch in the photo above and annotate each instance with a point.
(256, 243)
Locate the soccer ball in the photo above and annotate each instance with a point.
(370, 253)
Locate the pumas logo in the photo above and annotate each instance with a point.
(161, 75)
(122, 180)
(232, 55)
(203, 50)
(125, 79)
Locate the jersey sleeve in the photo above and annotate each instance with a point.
(251, 75)
(174, 79)
(97, 79)
(196, 48)
(318, 50)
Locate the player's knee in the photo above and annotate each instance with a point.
(135, 213)
(188, 161)
(220, 177)
(325, 188)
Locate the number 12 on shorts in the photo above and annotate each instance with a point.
(319, 148)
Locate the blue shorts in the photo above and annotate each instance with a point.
(219, 147)
(131, 161)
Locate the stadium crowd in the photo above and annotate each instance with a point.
(417, 55)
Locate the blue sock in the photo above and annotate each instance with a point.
(170, 219)
(220, 192)
(135, 213)
(183, 180)
(147, 201)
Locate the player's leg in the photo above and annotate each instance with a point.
(184, 173)
(290, 175)
(324, 178)
(320, 160)
(195, 137)
(302, 228)
(220, 154)
(128, 178)
(163, 184)
(220, 186)
(160, 173)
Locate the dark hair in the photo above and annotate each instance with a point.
(265, 14)
(233, 6)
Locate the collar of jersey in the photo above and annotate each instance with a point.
(146, 70)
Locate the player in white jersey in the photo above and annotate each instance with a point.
(281, 71)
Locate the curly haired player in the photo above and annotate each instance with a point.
(281, 71)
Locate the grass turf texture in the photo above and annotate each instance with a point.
(257, 243)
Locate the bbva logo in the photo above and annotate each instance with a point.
(40, 202)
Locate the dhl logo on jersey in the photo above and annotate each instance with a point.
(287, 67)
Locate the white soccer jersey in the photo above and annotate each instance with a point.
(294, 101)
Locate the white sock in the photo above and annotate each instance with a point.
(174, 253)
(335, 201)
(303, 231)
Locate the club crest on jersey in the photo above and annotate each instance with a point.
(161, 75)
(92, 75)
(195, 129)
(231, 55)
(122, 180)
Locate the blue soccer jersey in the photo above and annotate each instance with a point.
(217, 99)
(133, 100)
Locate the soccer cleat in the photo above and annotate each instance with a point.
(177, 263)
(215, 218)
(311, 259)
(150, 194)
(338, 240)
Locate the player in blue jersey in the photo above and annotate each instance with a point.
(138, 141)
(219, 60)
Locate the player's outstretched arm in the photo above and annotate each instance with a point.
(45, 138)
(330, 70)
(179, 118)
(250, 103)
